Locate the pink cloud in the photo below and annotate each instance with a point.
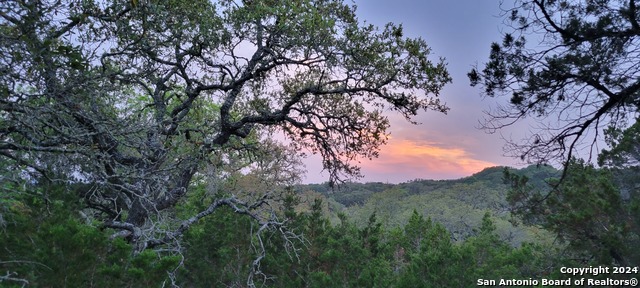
(402, 160)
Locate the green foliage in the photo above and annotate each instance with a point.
(56, 249)
(435, 261)
(431, 264)
(625, 147)
(349, 193)
(218, 251)
(46, 244)
(585, 210)
(457, 204)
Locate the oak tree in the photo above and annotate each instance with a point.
(143, 101)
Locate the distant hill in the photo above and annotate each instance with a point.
(458, 204)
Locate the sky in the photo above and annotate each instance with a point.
(442, 146)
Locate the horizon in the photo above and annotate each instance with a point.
(427, 179)
(454, 145)
(443, 146)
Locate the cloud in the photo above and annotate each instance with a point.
(403, 159)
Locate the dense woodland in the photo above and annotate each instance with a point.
(467, 234)
(159, 143)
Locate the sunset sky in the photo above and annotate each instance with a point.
(442, 146)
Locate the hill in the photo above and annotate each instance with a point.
(458, 204)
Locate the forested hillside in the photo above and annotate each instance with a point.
(54, 243)
(457, 204)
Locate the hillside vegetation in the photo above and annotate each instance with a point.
(457, 204)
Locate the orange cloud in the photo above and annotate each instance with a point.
(416, 159)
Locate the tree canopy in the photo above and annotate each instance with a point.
(573, 65)
(135, 104)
